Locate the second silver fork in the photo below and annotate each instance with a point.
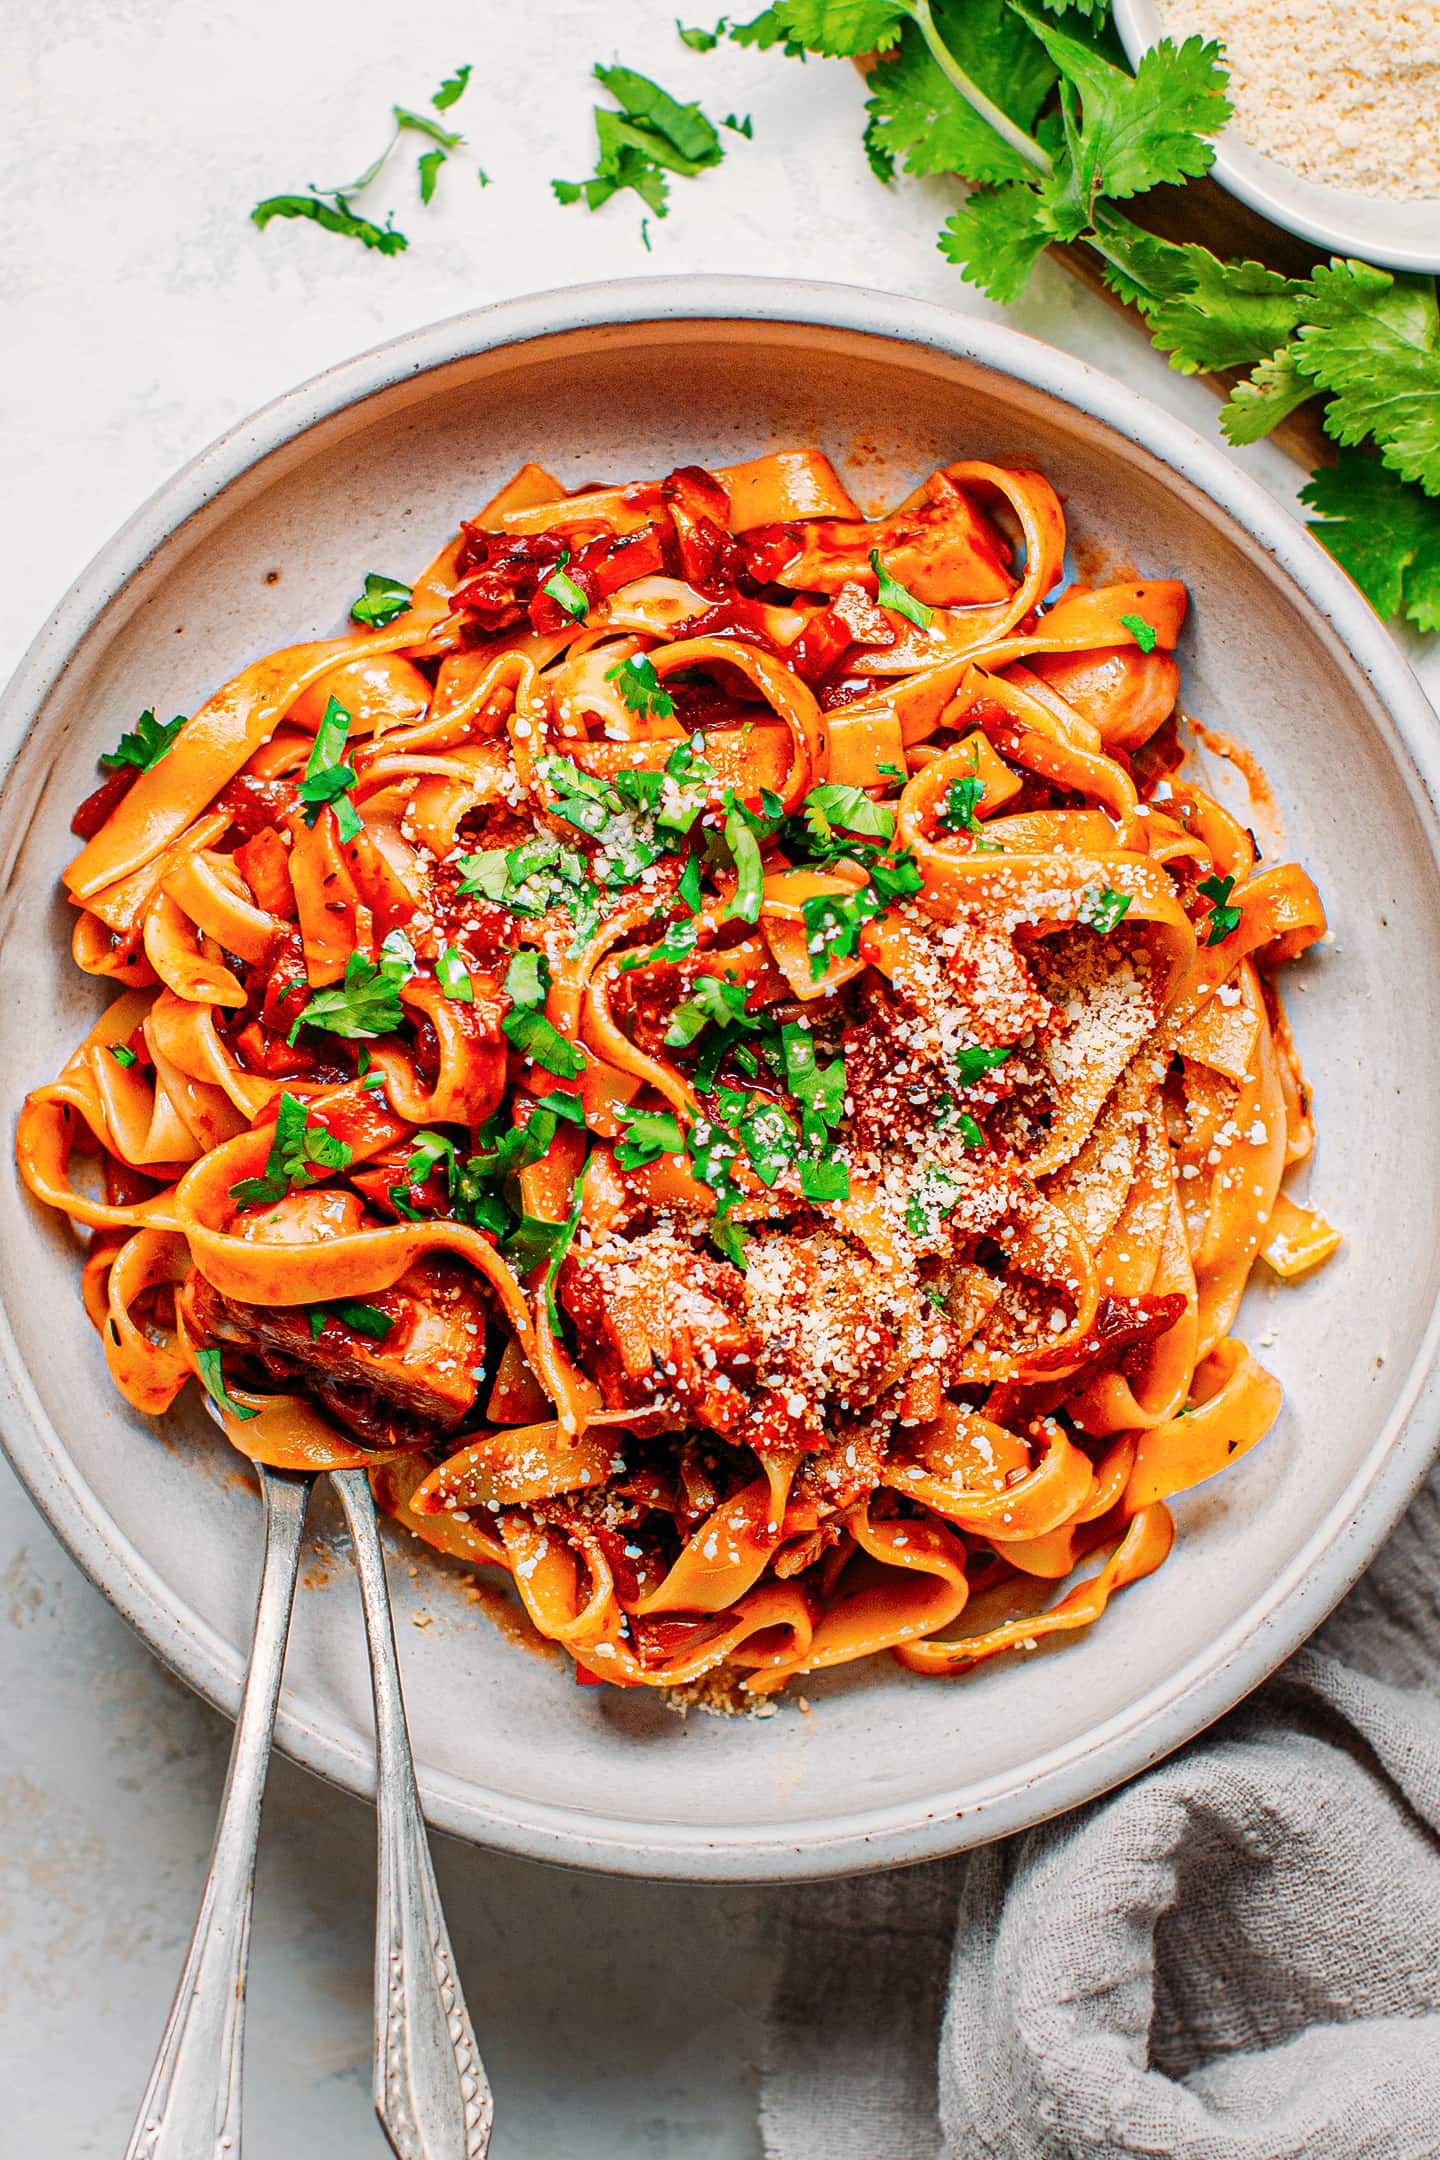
(430, 2088)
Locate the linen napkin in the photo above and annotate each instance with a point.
(1234, 1957)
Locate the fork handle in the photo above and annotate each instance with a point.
(431, 2092)
(191, 2108)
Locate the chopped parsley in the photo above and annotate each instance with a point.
(938, 1192)
(209, 1365)
(648, 1135)
(769, 1138)
(743, 832)
(367, 1002)
(479, 1188)
(451, 90)
(975, 1060)
(1101, 908)
(1223, 918)
(332, 208)
(641, 688)
(454, 977)
(1144, 633)
(564, 591)
(961, 804)
(698, 40)
(354, 1313)
(384, 598)
(832, 803)
(833, 922)
(710, 999)
(299, 1154)
(122, 1053)
(533, 878)
(970, 1131)
(824, 1177)
(895, 596)
(145, 744)
(651, 135)
(525, 1025)
(328, 777)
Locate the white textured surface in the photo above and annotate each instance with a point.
(142, 315)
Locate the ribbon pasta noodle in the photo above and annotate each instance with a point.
(715, 1046)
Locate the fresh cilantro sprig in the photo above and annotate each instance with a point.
(1223, 917)
(145, 744)
(1055, 135)
(650, 136)
(641, 688)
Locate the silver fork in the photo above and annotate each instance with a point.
(430, 2088)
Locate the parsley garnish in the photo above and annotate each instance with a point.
(360, 1318)
(641, 688)
(145, 744)
(895, 596)
(961, 799)
(1222, 918)
(938, 1192)
(526, 981)
(564, 591)
(299, 1154)
(451, 90)
(212, 1378)
(453, 977)
(770, 1140)
(651, 135)
(367, 1001)
(327, 777)
(833, 922)
(1144, 633)
(384, 598)
(1101, 908)
(533, 878)
(648, 1135)
(710, 999)
(975, 1060)
(121, 1053)
(824, 1177)
(832, 803)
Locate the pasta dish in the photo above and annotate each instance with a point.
(714, 1045)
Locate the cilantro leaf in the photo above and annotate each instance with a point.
(770, 1140)
(299, 1154)
(1222, 918)
(1271, 390)
(962, 797)
(833, 922)
(327, 777)
(454, 977)
(641, 688)
(975, 1060)
(893, 595)
(742, 841)
(428, 168)
(683, 127)
(1373, 341)
(122, 1053)
(535, 1038)
(1144, 633)
(764, 31)
(917, 114)
(527, 978)
(1230, 314)
(699, 40)
(838, 28)
(334, 216)
(997, 237)
(648, 1135)
(833, 803)
(451, 90)
(145, 744)
(1383, 531)
(354, 1313)
(824, 1177)
(1131, 131)
(710, 999)
(1101, 908)
(564, 591)
(367, 1002)
(653, 133)
(212, 1378)
(384, 597)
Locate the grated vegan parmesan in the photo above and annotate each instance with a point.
(1346, 96)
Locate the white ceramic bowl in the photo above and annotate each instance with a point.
(369, 467)
(1400, 235)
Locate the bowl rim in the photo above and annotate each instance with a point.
(1340, 1546)
(1399, 235)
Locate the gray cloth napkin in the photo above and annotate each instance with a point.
(1235, 1957)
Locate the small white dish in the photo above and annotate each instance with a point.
(368, 467)
(1398, 235)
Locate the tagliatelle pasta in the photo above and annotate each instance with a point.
(715, 1046)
